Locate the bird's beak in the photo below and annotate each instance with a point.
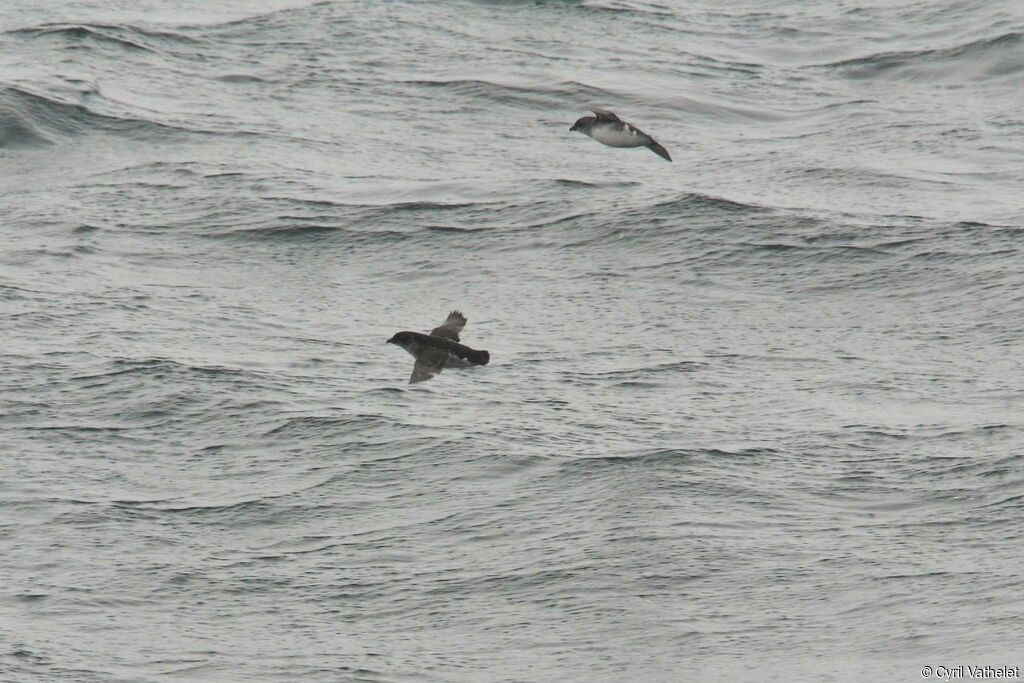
(388, 342)
(572, 129)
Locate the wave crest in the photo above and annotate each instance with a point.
(987, 58)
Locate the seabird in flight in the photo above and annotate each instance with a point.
(439, 349)
(609, 129)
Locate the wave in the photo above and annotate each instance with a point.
(696, 201)
(19, 130)
(987, 58)
(554, 96)
(163, 368)
(565, 228)
(584, 184)
(541, 95)
(647, 372)
(355, 224)
(667, 456)
(114, 35)
(28, 119)
(305, 425)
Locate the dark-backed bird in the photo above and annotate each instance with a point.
(439, 349)
(609, 129)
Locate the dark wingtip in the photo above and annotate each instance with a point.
(660, 151)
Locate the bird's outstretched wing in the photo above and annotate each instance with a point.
(451, 327)
(430, 362)
(421, 372)
(605, 115)
(659, 150)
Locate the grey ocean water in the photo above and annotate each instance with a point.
(757, 414)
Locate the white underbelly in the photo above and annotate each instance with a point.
(456, 362)
(618, 137)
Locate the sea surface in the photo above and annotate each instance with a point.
(757, 414)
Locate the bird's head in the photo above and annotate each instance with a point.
(582, 125)
(403, 339)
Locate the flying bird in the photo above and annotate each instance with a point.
(439, 349)
(609, 129)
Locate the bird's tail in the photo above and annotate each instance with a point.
(659, 150)
(478, 357)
